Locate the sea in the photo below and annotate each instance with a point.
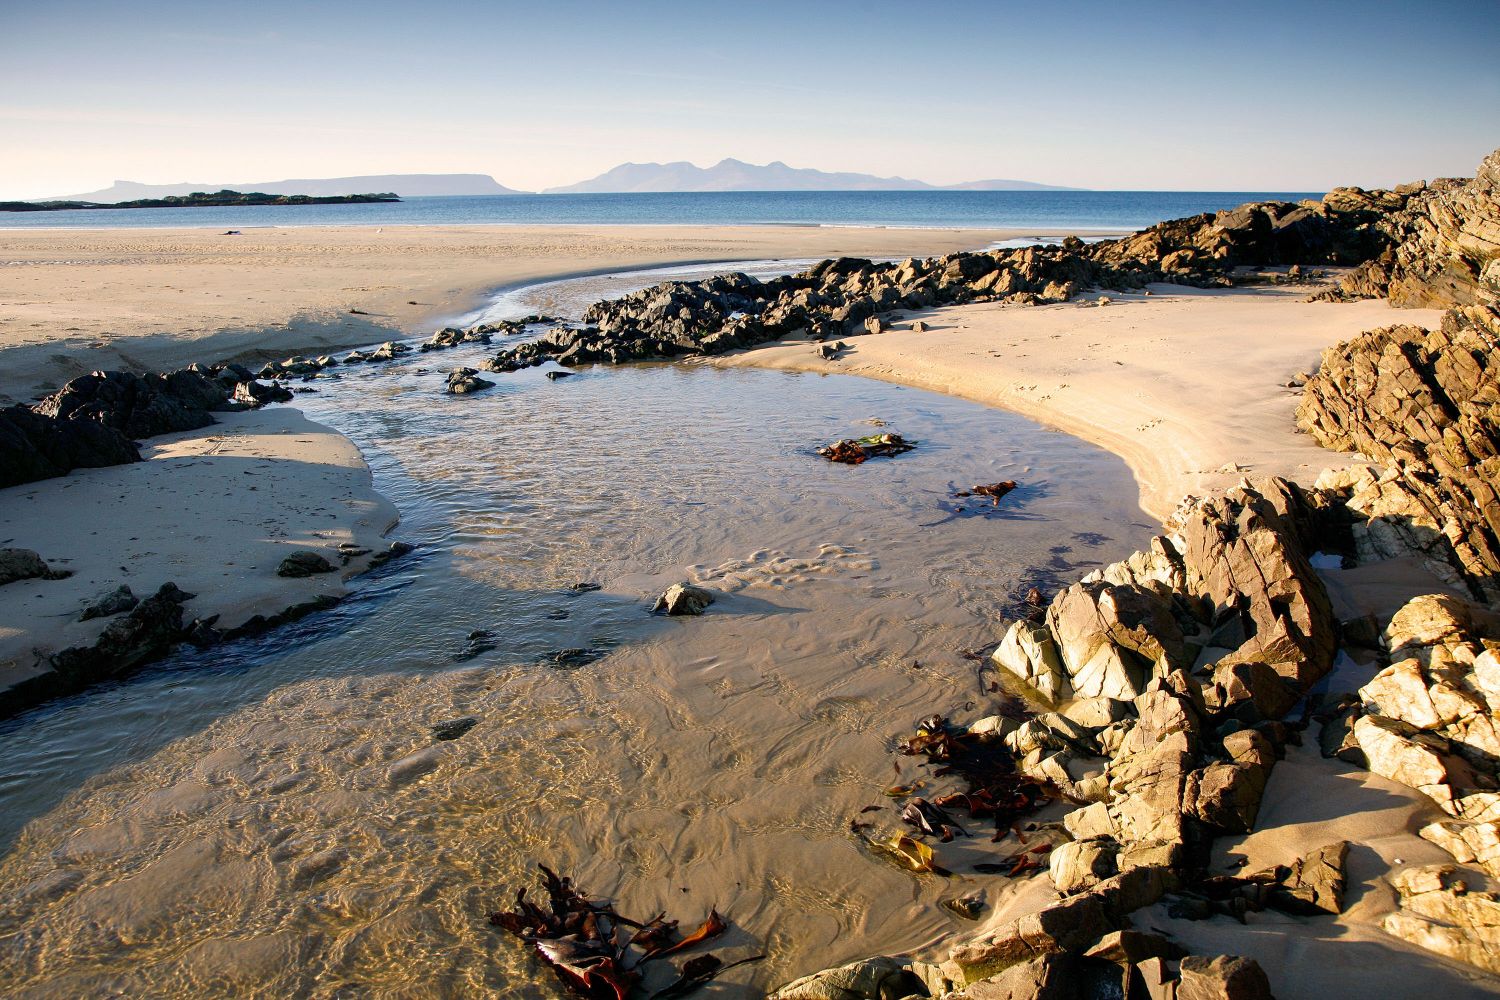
(1080, 211)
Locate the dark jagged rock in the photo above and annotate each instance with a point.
(34, 447)
(117, 601)
(139, 405)
(394, 551)
(1427, 405)
(24, 564)
(147, 633)
(851, 297)
(466, 380)
(452, 729)
(304, 563)
(255, 393)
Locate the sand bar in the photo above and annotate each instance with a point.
(213, 511)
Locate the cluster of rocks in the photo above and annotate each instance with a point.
(847, 297)
(1431, 721)
(461, 381)
(1169, 673)
(1426, 405)
(94, 419)
(1442, 245)
(482, 333)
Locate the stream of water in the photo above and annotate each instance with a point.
(274, 818)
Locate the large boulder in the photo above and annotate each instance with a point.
(139, 405)
(24, 564)
(1113, 639)
(34, 446)
(1245, 555)
(1028, 654)
(1444, 245)
(871, 979)
(1440, 913)
(1222, 977)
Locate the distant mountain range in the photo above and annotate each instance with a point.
(405, 185)
(736, 175)
(726, 175)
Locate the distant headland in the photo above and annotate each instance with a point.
(204, 199)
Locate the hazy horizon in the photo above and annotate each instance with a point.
(1278, 97)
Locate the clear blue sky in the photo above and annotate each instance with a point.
(1243, 96)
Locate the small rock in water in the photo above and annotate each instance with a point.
(585, 587)
(480, 641)
(683, 599)
(554, 376)
(113, 603)
(452, 729)
(968, 907)
(303, 563)
(466, 380)
(396, 550)
(572, 659)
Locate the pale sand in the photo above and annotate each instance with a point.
(75, 300)
(1188, 386)
(213, 511)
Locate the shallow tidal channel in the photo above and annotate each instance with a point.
(275, 818)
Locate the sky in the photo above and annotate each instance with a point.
(1136, 95)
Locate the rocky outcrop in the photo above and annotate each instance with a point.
(1443, 245)
(151, 630)
(1168, 673)
(1431, 720)
(1426, 404)
(140, 405)
(1228, 594)
(33, 446)
(1343, 228)
(92, 420)
(852, 297)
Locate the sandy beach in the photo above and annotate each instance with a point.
(1189, 387)
(72, 301)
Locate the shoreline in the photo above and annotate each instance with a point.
(74, 300)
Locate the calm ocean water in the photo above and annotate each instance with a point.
(1107, 210)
